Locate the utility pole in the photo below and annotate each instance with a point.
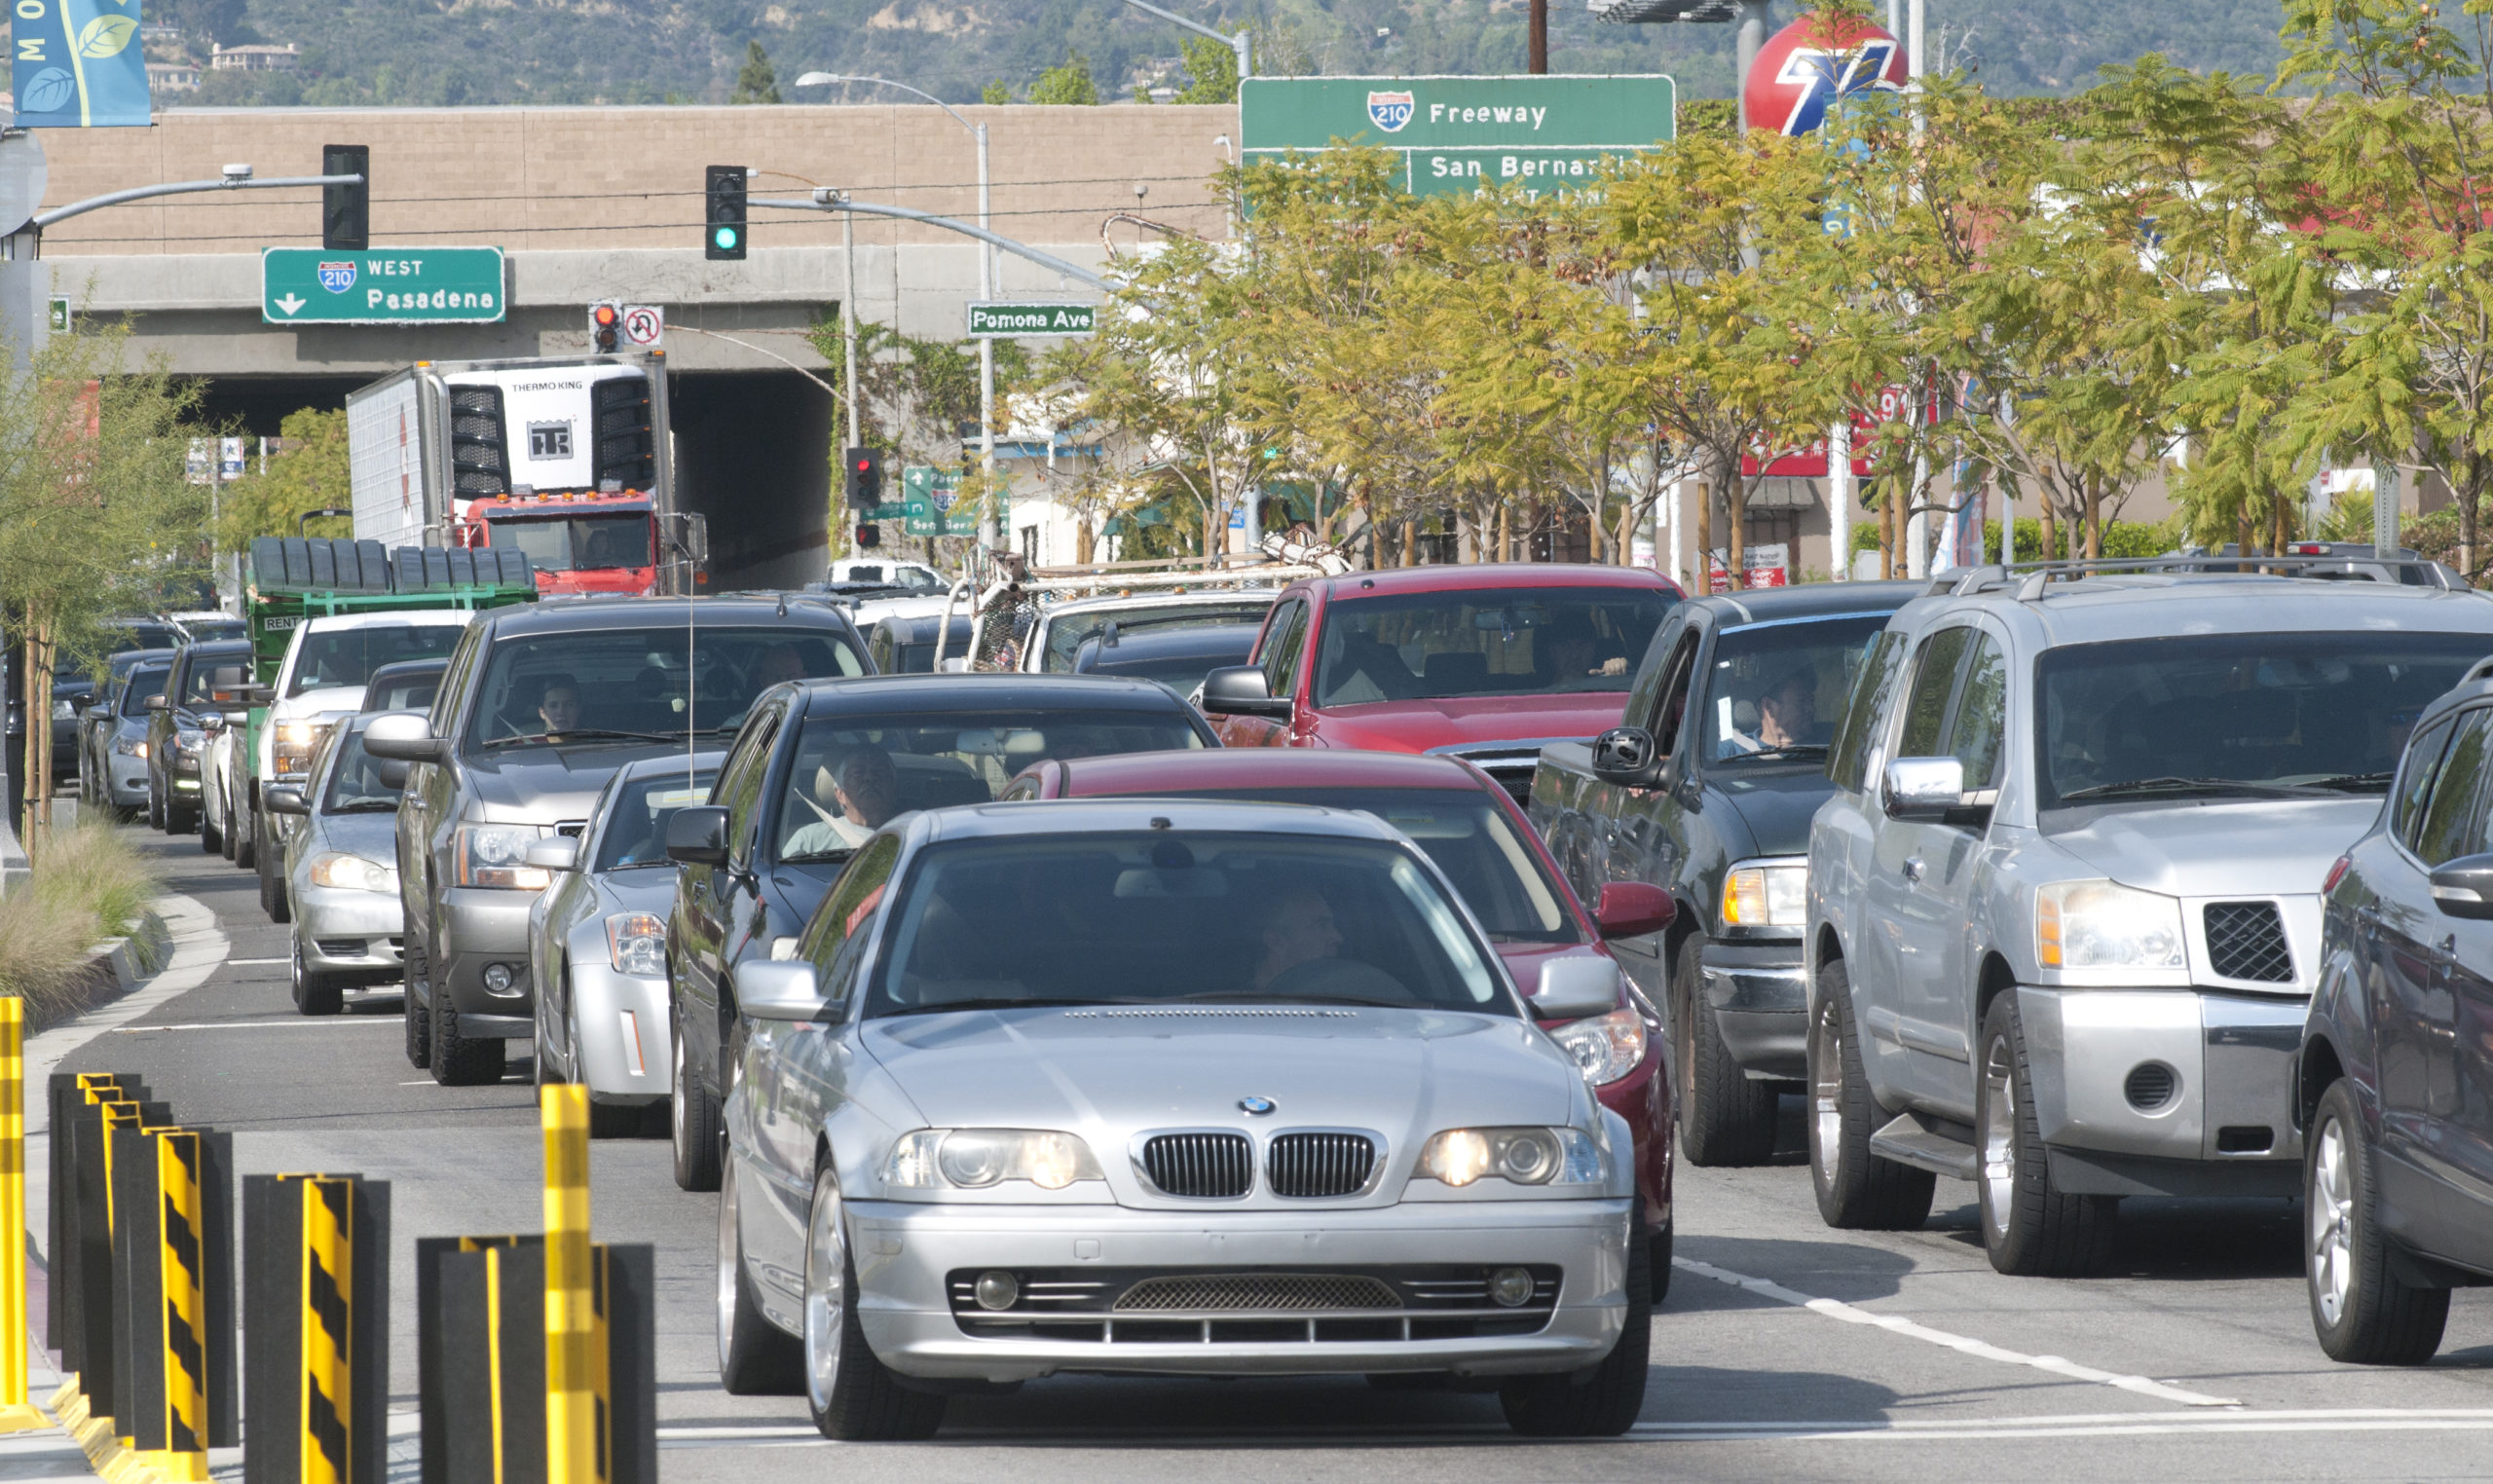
(849, 315)
(1537, 51)
(1748, 38)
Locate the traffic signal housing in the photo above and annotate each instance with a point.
(723, 231)
(865, 478)
(604, 326)
(869, 536)
(346, 210)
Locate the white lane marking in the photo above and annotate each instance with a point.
(1836, 1309)
(306, 1022)
(254, 963)
(2075, 1425)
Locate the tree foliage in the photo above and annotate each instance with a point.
(309, 473)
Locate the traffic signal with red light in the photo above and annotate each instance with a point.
(604, 326)
(864, 482)
(869, 536)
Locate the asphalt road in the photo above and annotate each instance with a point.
(1786, 1351)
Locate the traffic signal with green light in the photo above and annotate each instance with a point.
(722, 231)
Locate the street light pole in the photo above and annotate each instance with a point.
(986, 267)
(1242, 44)
(849, 315)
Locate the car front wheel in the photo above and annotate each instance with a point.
(2029, 1229)
(1604, 1400)
(416, 971)
(756, 1357)
(1857, 1190)
(315, 994)
(853, 1396)
(2363, 1311)
(1724, 1117)
(462, 1061)
(693, 1121)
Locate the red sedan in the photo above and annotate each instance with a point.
(1479, 837)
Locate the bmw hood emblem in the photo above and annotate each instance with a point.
(1258, 1107)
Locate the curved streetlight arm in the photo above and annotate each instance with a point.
(1241, 43)
(825, 79)
(184, 188)
(1019, 249)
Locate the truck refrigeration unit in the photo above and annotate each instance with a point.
(566, 459)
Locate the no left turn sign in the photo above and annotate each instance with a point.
(643, 324)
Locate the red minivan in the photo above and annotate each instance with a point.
(1481, 839)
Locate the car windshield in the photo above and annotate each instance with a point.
(356, 785)
(2237, 713)
(1776, 687)
(146, 636)
(1067, 632)
(1504, 641)
(210, 630)
(623, 683)
(634, 832)
(1180, 665)
(911, 644)
(402, 693)
(574, 542)
(347, 656)
(200, 679)
(854, 771)
(1163, 917)
(142, 685)
(1470, 838)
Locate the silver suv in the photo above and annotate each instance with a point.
(2064, 907)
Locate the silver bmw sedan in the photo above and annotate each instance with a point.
(1163, 1086)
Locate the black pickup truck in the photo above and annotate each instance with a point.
(1706, 788)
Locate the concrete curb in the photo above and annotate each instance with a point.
(112, 969)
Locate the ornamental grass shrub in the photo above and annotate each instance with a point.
(88, 885)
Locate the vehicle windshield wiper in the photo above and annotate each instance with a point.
(2137, 787)
(368, 806)
(997, 1002)
(1777, 753)
(815, 857)
(587, 735)
(1267, 997)
(2351, 783)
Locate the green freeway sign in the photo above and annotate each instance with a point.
(927, 502)
(1462, 133)
(1013, 322)
(382, 285)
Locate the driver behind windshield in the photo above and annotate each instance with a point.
(1295, 928)
(854, 795)
(1787, 716)
(558, 705)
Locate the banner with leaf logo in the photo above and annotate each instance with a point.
(79, 64)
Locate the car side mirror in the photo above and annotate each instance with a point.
(2464, 887)
(157, 703)
(1633, 909)
(1923, 787)
(405, 736)
(259, 695)
(560, 853)
(1629, 756)
(284, 801)
(1240, 690)
(1573, 988)
(778, 990)
(212, 722)
(697, 836)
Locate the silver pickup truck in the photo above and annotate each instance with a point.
(2064, 907)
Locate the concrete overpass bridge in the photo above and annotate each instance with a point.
(596, 202)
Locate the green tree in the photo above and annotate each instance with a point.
(95, 510)
(756, 81)
(309, 473)
(1211, 71)
(996, 93)
(1069, 84)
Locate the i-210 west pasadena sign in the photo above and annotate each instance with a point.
(1462, 133)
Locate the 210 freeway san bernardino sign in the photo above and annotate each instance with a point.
(382, 285)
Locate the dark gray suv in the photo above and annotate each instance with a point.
(2394, 1084)
(539, 706)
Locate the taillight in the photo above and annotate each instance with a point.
(2336, 874)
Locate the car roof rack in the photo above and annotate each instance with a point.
(2036, 576)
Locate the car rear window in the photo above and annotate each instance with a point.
(1502, 641)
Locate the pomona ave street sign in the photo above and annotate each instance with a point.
(383, 285)
(1463, 133)
(1015, 320)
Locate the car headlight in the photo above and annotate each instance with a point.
(2100, 925)
(291, 748)
(973, 1159)
(1766, 896)
(352, 873)
(1604, 1046)
(1459, 1157)
(635, 942)
(497, 856)
(129, 747)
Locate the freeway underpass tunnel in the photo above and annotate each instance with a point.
(753, 453)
